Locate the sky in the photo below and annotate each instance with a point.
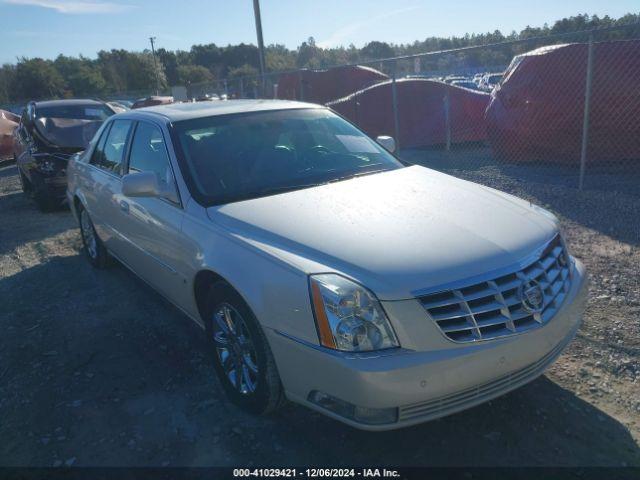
(46, 28)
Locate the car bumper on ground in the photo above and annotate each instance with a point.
(403, 387)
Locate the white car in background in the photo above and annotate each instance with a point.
(321, 268)
(490, 81)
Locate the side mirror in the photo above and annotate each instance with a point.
(388, 143)
(147, 184)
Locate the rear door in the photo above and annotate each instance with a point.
(102, 184)
(154, 225)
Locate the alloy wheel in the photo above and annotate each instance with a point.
(235, 349)
(88, 235)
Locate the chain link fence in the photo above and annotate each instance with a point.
(562, 109)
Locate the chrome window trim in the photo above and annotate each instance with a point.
(101, 170)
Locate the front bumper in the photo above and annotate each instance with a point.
(430, 376)
(56, 187)
(52, 184)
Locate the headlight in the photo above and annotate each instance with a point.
(348, 316)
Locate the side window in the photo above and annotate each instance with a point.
(149, 154)
(109, 152)
(98, 153)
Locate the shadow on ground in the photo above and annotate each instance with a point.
(8, 170)
(98, 368)
(20, 220)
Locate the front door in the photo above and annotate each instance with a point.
(154, 225)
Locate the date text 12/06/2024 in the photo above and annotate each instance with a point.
(316, 472)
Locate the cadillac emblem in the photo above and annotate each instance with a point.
(531, 296)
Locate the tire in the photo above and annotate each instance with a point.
(93, 247)
(24, 183)
(260, 389)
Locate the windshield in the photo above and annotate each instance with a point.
(71, 126)
(237, 157)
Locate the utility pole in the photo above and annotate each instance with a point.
(256, 11)
(155, 65)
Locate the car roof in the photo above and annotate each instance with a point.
(64, 103)
(176, 112)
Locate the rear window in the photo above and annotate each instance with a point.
(76, 112)
(70, 126)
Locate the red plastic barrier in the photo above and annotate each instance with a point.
(536, 114)
(421, 112)
(322, 86)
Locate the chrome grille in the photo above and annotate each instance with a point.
(495, 308)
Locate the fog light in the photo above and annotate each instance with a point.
(370, 416)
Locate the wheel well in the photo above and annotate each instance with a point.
(204, 279)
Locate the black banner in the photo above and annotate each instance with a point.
(399, 473)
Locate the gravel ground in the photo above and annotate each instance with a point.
(97, 369)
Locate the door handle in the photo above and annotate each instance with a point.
(124, 206)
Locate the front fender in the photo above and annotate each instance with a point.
(276, 292)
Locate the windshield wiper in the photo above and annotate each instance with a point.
(287, 188)
(358, 174)
(290, 188)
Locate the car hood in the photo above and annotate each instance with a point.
(398, 233)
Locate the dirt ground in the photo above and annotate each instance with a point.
(96, 369)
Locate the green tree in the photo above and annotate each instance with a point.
(169, 62)
(7, 83)
(235, 56)
(82, 76)
(190, 74)
(130, 71)
(37, 78)
(118, 71)
(279, 58)
(250, 78)
(309, 55)
(374, 50)
(208, 56)
(245, 70)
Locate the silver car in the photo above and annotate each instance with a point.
(321, 268)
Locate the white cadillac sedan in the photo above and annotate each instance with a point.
(322, 269)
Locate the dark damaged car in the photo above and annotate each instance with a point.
(49, 134)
